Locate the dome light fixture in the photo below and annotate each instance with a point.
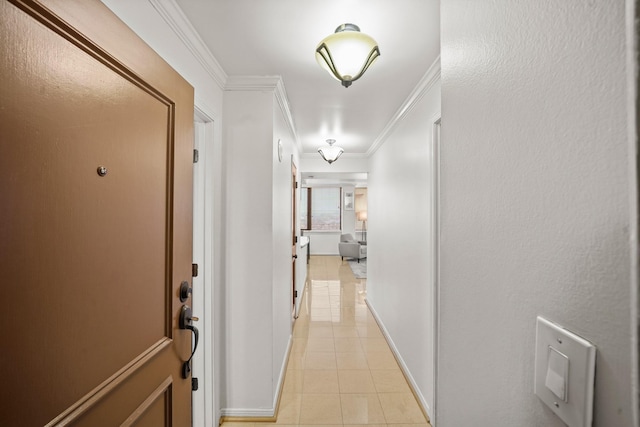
(330, 153)
(347, 53)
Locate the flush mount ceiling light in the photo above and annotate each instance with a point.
(347, 53)
(330, 153)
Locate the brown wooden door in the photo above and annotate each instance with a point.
(89, 264)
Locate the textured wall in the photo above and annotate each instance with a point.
(282, 242)
(399, 282)
(535, 204)
(248, 362)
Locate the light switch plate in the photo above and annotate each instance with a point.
(577, 410)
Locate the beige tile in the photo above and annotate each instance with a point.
(401, 408)
(320, 425)
(320, 344)
(320, 381)
(348, 311)
(345, 332)
(296, 360)
(289, 409)
(371, 345)
(293, 381)
(372, 331)
(320, 315)
(347, 345)
(343, 321)
(300, 330)
(381, 360)
(320, 360)
(321, 301)
(355, 381)
(320, 331)
(352, 360)
(390, 381)
(361, 409)
(409, 425)
(321, 409)
(299, 344)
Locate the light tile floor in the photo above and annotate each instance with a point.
(341, 370)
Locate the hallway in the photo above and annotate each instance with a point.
(341, 370)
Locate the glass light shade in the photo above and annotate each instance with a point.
(331, 153)
(362, 216)
(347, 53)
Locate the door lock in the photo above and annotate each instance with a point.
(185, 291)
(185, 320)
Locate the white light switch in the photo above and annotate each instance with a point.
(557, 373)
(565, 373)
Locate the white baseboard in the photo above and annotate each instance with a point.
(299, 302)
(416, 390)
(263, 413)
(283, 372)
(247, 413)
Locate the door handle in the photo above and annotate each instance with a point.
(186, 318)
(294, 256)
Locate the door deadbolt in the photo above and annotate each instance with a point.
(185, 291)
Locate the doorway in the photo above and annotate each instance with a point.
(294, 240)
(203, 282)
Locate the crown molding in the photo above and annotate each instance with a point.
(267, 83)
(315, 155)
(182, 27)
(252, 83)
(426, 82)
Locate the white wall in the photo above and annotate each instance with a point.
(282, 243)
(347, 163)
(535, 210)
(258, 208)
(399, 284)
(248, 151)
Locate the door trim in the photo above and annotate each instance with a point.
(204, 413)
(435, 245)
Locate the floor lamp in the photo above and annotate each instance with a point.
(362, 216)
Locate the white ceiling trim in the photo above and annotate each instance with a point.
(182, 27)
(270, 83)
(251, 83)
(430, 77)
(342, 156)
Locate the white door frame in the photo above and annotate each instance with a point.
(203, 286)
(435, 245)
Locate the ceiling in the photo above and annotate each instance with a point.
(279, 38)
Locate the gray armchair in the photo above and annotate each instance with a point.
(351, 248)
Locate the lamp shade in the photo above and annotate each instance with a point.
(362, 216)
(347, 53)
(330, 153)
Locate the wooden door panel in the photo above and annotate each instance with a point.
(94, 260)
